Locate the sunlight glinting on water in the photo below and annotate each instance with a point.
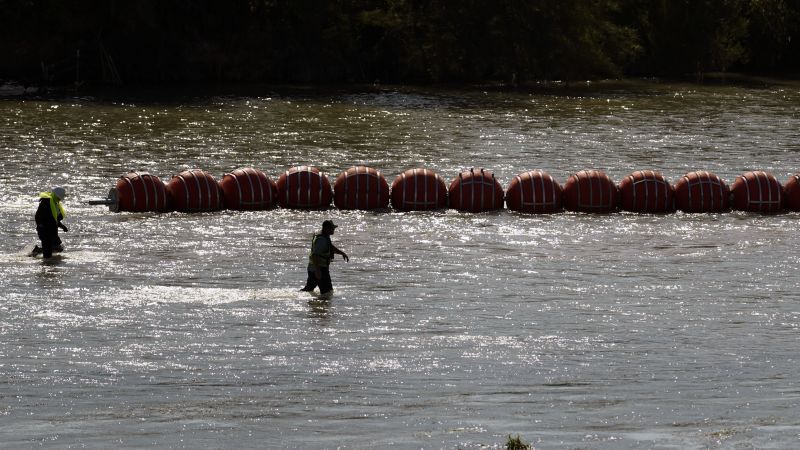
(447, 329)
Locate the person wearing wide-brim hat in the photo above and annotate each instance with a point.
(319, 259)
(48, 220)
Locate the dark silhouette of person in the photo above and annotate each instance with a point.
(319, 259)
(48, 220)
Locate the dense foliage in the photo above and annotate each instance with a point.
(412, 41)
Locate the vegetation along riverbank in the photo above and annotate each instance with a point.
(101, 42)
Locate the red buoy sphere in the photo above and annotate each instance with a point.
(248, 189)
(757, 191)
(361, 187)
(646, 191)
(140, 192)
(475, 190)
(304, 187)
(195, 191)
(792, 192)
(418, 190)
(534, 192)
(701, 192)
(590, 191)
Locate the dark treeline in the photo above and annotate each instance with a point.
(391, 41)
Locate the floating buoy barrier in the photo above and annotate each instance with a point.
(646, 191)
(475, 190)
(701, 192)
(418, 190)
(141, 192)
(136, 192)
(472, 190)
(791, 191)
(248, 189)
(757, 191)
(304, 187)
(590, 191)
(194, 190)
(534, 192)
(362, 188)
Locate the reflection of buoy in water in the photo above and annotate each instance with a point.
(646, 191)
(792, 192)
(590, 191)
(361, 187)
(304, 187)
(475, 191)
(248, 189)
(140, 192)
(194, 191)
(534, 192)
(701, 192)
(757, 191)
(418, 190)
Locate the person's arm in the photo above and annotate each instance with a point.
(61, 217)
(335, 250)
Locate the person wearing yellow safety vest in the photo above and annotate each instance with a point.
(48, 220)
(319, 259)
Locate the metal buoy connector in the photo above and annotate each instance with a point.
(112, 200)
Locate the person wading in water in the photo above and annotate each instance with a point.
(48, 220)
(322, 251)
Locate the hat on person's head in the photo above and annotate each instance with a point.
(59, 192)
(329, 224)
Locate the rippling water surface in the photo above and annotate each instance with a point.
(448, 330)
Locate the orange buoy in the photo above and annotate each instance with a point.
(757, 191)
(361, 187)
(534, 192)
(590, 191)
(475, 190)
(139, 192)
(646, 191)
(304, 187)
(792, 191)
(248, 189)
(418, 190)
(701, 192)
(194, 191)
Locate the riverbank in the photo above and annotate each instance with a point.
(170, 92)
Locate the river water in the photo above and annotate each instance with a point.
(447, 330)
